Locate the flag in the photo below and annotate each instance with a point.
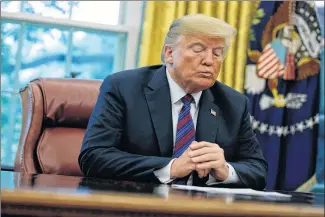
(269, 65)
(282, 84)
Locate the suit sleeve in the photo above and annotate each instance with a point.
(101, 152)
(251, 166)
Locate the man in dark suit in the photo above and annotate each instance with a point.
(174, 123)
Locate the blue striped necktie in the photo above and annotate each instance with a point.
(185, 133)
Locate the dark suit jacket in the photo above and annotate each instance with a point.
(129, 133)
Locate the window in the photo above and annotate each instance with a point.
(61, 39)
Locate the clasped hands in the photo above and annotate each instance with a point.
(203, 157)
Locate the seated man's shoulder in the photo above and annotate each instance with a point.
(131, 78)
(228, 94)
(133, 75)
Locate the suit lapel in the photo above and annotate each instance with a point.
(157, 94)
(207, 123)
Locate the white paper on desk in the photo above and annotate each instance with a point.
(243, 191)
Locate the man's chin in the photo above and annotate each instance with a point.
(203, 85)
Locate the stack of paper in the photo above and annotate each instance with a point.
(242, 191)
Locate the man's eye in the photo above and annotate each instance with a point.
(197, 48)
(217, 53)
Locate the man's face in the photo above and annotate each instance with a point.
(195, 61)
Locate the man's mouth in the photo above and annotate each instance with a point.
(206, 74)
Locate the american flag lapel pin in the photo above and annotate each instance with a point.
(213, 112)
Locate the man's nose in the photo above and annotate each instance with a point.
(208, 58)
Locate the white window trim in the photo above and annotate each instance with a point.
(133, 19)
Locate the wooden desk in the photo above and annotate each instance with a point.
(54, 195)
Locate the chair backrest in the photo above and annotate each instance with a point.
(55, 114)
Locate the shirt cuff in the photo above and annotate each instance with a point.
(163, 174)
(231, 179)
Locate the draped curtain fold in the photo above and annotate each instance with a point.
(160, 14)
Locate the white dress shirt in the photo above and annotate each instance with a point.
(176, 94)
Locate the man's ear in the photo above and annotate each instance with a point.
(168, 52)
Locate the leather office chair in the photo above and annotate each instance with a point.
(55, 114)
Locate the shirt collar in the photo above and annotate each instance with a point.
(176, 92)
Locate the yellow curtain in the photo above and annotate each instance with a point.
(160, 14)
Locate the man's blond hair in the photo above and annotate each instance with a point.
(198, 24)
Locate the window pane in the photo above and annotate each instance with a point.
(5, 109)
(44, 53)
(10, 104)
(11, 121)
(96, 55)
(10, 6)
(103, 12)
(57, 9)
(9, 44)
